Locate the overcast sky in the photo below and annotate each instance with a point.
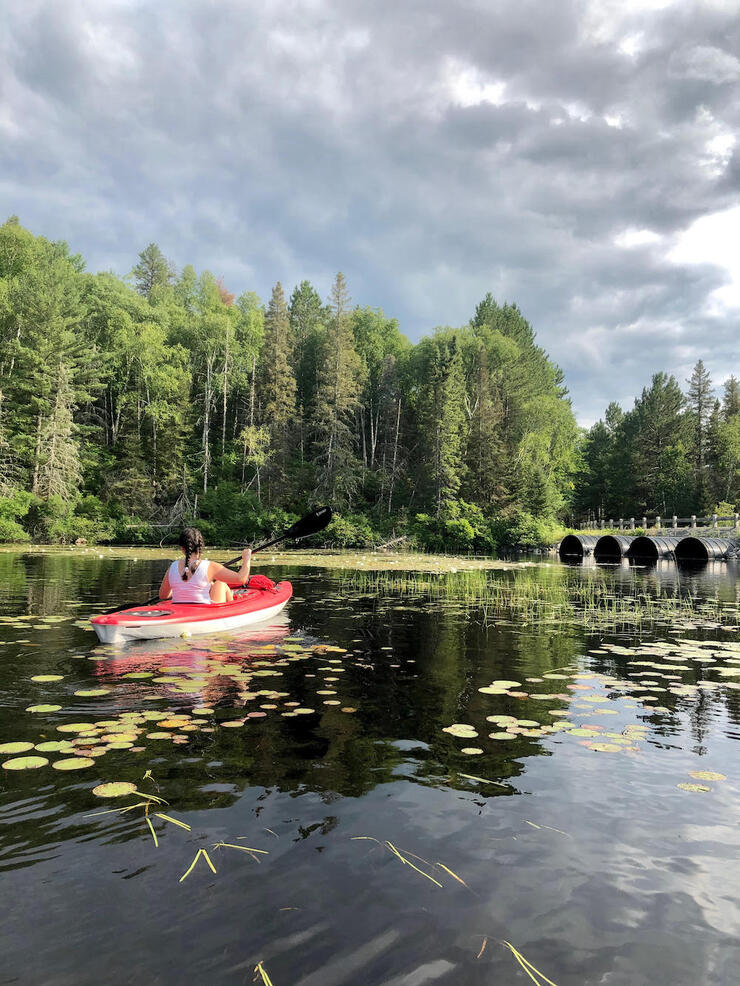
(577, 157)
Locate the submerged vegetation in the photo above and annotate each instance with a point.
(531, 596)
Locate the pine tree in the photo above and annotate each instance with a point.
(660, 441)
(731, 398)
(59, 470)
(278, 390)
(336, 402)
(700, 402)
(447, 431)
(153, 270)
(307, 315)
(486, 482)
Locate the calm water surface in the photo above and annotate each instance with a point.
(580, 849)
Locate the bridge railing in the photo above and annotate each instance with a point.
(713, 522)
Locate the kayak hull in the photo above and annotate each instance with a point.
(167, 619)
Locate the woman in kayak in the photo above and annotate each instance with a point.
(193, 579)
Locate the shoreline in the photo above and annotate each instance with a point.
(324, 558)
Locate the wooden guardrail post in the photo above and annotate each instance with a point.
(644, 522)
(714, 521)
(657, 522)
(620, 523)
(693, 521)
(674, 519)
(735, 520)
(632, 523)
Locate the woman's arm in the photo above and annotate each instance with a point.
(165, 590)
(217, 573)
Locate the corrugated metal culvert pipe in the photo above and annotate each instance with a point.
(697, 549)
(652, 548)
(577, 545)
(612, 547)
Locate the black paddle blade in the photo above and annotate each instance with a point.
(312, 523)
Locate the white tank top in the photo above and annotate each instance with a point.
(197, 588)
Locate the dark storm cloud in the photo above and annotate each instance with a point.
(432, 151)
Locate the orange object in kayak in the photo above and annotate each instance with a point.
(168, 619)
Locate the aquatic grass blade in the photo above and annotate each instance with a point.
(413, 867)
(454, 875)
(527, 965)
(266, 981)
(189, 870)
(230, 845)
(174, 821)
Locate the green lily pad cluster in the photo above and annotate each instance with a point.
(227, 680)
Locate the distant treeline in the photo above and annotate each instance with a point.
(672, 453)
(161, 398)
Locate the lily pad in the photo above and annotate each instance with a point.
(15, 747)
(92, 692)
(471, 751)
(707, 775)
(684, 787)
(114, 789)
(73, 763)
(54, 746)
(47, 677)
(460, 729)
(43, 708)
(25, 763)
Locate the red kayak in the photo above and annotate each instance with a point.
(168, 619)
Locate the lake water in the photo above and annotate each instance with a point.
(383, 853)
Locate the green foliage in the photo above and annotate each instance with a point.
(130, 405)
(523, 531)
(13, 510)
(670, 454)
(228, 516)
(350, 531)
(462, 528)
(58, 521)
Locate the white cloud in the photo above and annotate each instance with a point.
(718, 152)
(630, 238)
(714, 239)
(468, 86)
(705, 62)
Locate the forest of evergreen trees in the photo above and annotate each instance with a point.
(130, 405)
(672, 453)
(127, 405)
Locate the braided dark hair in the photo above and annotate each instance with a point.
(192, 541)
